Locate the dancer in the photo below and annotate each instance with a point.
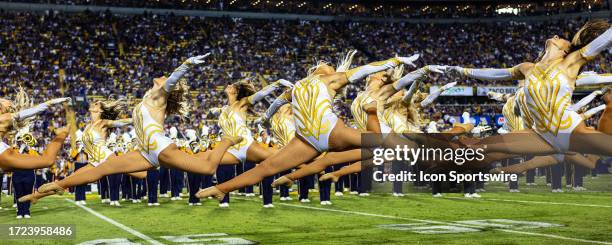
(317, 127)
(572, 158)
(548, 91)
(232, 121)
(104, 116)
(14, 116)
(167, 96)
(362, 119)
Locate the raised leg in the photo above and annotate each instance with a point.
(293, 154)
(350, 169)
(200, 164)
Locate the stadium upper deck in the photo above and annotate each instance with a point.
(397, 8)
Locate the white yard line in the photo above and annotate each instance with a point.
(434, 222)
(117, 224)
(536, 202)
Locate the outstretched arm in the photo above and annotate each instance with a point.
(267, 90)
(592, 78)
(361, 72)
(595, 47)
(586, 100)
(433, 96)
(30, 112)
(489, 74)
(410, 92)
(416, 75)
(119, 123)
(276, 104)
(588, 114)
(181, 70)
(498, 96)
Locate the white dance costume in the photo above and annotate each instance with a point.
(383, 118)
(513, 121)
(95, 146)
(233, 124)
(548, 95)
(312, 112)
(283, 128)
(360, 115)
(149, 134)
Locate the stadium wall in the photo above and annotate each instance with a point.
(16, 6)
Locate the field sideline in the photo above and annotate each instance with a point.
(498, 218)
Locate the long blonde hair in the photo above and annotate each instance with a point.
(22, 101)
(346, 61)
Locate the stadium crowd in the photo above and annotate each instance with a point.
(106, 55)
(413, 9)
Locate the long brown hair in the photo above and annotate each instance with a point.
(245, 89)
(587, 33)
(111, 109)
(178, 100)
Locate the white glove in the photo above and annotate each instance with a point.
(432, 128)
(448, 85)
(495, 96)
(480, 129)
(437, 68)
(196, 60)
(455, 71)
(59, 101)
(285, 83)
(502, 130)
(409, 60)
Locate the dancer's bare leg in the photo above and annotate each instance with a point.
(525, 142)
(344, 138)
(536, 162)
(372, 123)
(590, 141)
(11, 159)
(545, 161)
(130, 162)
(228, 159)
(334, 176)
(139, 175)
(605, 121)
(296, 152)
(292, 155)
(330, 159)
(205, 164)
(34, 197)
(257, 153)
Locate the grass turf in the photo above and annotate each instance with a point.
(357, 223)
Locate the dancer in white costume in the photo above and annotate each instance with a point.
(548, 89)
(167, 96)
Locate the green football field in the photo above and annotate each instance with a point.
(534, 216)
